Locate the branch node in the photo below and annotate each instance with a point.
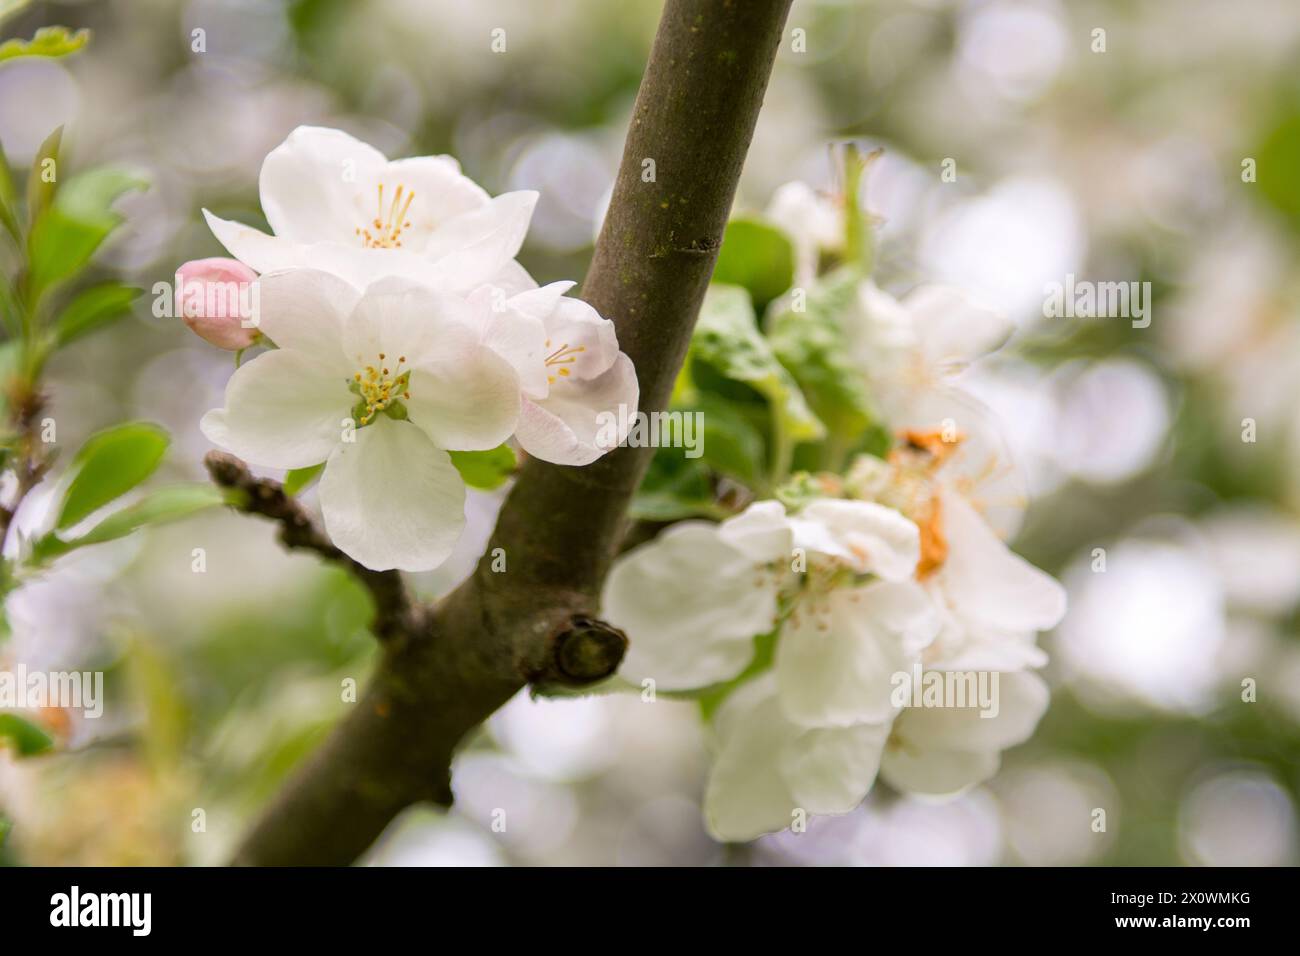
(588, 650)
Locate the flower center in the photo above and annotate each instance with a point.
(379, 386)
(915, 461)
(385, 230)
(934, 544)
(557, 360)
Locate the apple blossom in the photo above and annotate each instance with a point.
(944, 750)
(911, 348)
(767, 766)
(337, 204)
(991, 602)
(215, 298)
(572, 374)
(813, 732)
(693, 600)
(376, 383)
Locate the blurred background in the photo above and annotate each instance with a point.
(1122, 164)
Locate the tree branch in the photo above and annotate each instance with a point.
(394, 614)
(560, 527)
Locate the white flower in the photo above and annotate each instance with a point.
(573, 376)
(992, 601)
(814, 222)
(337, 204)
(693, 600)
(940, 750)
(374, 383)
(767, 767)
(924, 341)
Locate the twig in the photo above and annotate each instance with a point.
(394, 615)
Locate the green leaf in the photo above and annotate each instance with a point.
(812, 345)
(48, 41)
(757, 257)
(25, 737)
(65, 237)
(728, 339)
(1276, 157)
(157, 507)
(674, 488)
(299, 478)
(92, 309)
(109, 465)
(485, 469)
(731, 442)
(40, 188)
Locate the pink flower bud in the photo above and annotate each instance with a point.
(218, 299)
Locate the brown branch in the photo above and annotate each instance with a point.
(30, 464)
(559, 528)
(394, 614)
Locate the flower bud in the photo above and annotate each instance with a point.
(217, 299)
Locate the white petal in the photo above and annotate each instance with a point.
(442, 194)
(354, 264)
(305, 310)
(837, 655)
(981, 466)
(954, 328)
(747, 794)
(961, 648)
(511, 278)
(944, 750)
(540, 302)
(811, 221)
(579, 421)
(761, 531)
(466, 398)
(403, 319)
(391, 499)
(936, 771)
(308, 181)
(283, 410)
(875, 539)
(362, 267)
(830, 769)
(882, 336)
(513, 327)
(691, 605)
(254, 248)
(574, 325)
(987, 583)
(1020, 701)
(462, 394)
(472, 248)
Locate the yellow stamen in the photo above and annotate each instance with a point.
(387, 226)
